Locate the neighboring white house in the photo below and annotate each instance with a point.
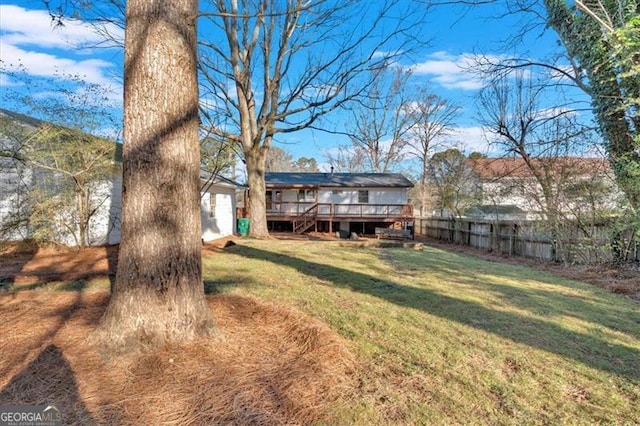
(218, 200)
(217, 210)
(327, 202)
(511, 191)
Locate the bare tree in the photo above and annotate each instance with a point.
(280, 160)
(380, 123)
(158, 294)
(432, 118)
(290, 64)
(67, 167)
(455, 185)
(346, 159)
(218, 158)
(547, 140)
(78, 169)
(596, 52)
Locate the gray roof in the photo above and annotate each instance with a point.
(21, 118)
(337, 180)
(219, 179)
(25, 120)
(496, 209)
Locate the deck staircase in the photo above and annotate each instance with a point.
(305, 220)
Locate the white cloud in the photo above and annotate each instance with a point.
(34, 28)
(562, 73)
(470, 139)
(5, 81)
(30, 44)
(554, 112)
(461, 72)
(450, 71)
(42, 64)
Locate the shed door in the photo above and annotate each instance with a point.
(224, 214)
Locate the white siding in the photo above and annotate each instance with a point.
(376, 195)
(290, 195)
(222, 222)
(104, 227)
(14, 182)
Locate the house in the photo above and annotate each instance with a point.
(18, 178)
(218, 206)
(511, 188)
(344, 202)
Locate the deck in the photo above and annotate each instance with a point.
(286, 211)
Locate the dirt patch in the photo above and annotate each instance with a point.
(268, 365)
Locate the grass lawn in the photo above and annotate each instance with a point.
(438, 338)
(442, 337)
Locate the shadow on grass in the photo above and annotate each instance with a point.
(565, 299)
(587, 349)
(212, 287)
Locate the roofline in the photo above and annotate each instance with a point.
(220, 180)
(300, 186)
(323, 180)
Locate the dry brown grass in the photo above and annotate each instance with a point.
(269, 364)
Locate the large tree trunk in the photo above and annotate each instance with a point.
(158, 294)
(256, 160)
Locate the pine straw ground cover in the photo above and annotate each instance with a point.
(268, 365)
(338, 333)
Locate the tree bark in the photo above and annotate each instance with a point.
(158, 294)
(256, 158)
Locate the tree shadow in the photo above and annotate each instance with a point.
(51, 321)
(214, 287)
(113, 253)
(539, 300)
(72, 285)
(13, 262)
(48, 380)
(587, 349)
(64, 269)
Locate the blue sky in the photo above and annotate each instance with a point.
(457, 34)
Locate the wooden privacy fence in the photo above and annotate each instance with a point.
(529, 239)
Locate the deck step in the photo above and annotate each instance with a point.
(306, 220)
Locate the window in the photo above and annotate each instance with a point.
(337, 192)
(212, 205)
(363, 197)
(274, 201)
(306, 195)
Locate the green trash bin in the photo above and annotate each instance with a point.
(243, 226)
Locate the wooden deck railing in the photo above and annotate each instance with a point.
(329, 210)
(306, 220)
